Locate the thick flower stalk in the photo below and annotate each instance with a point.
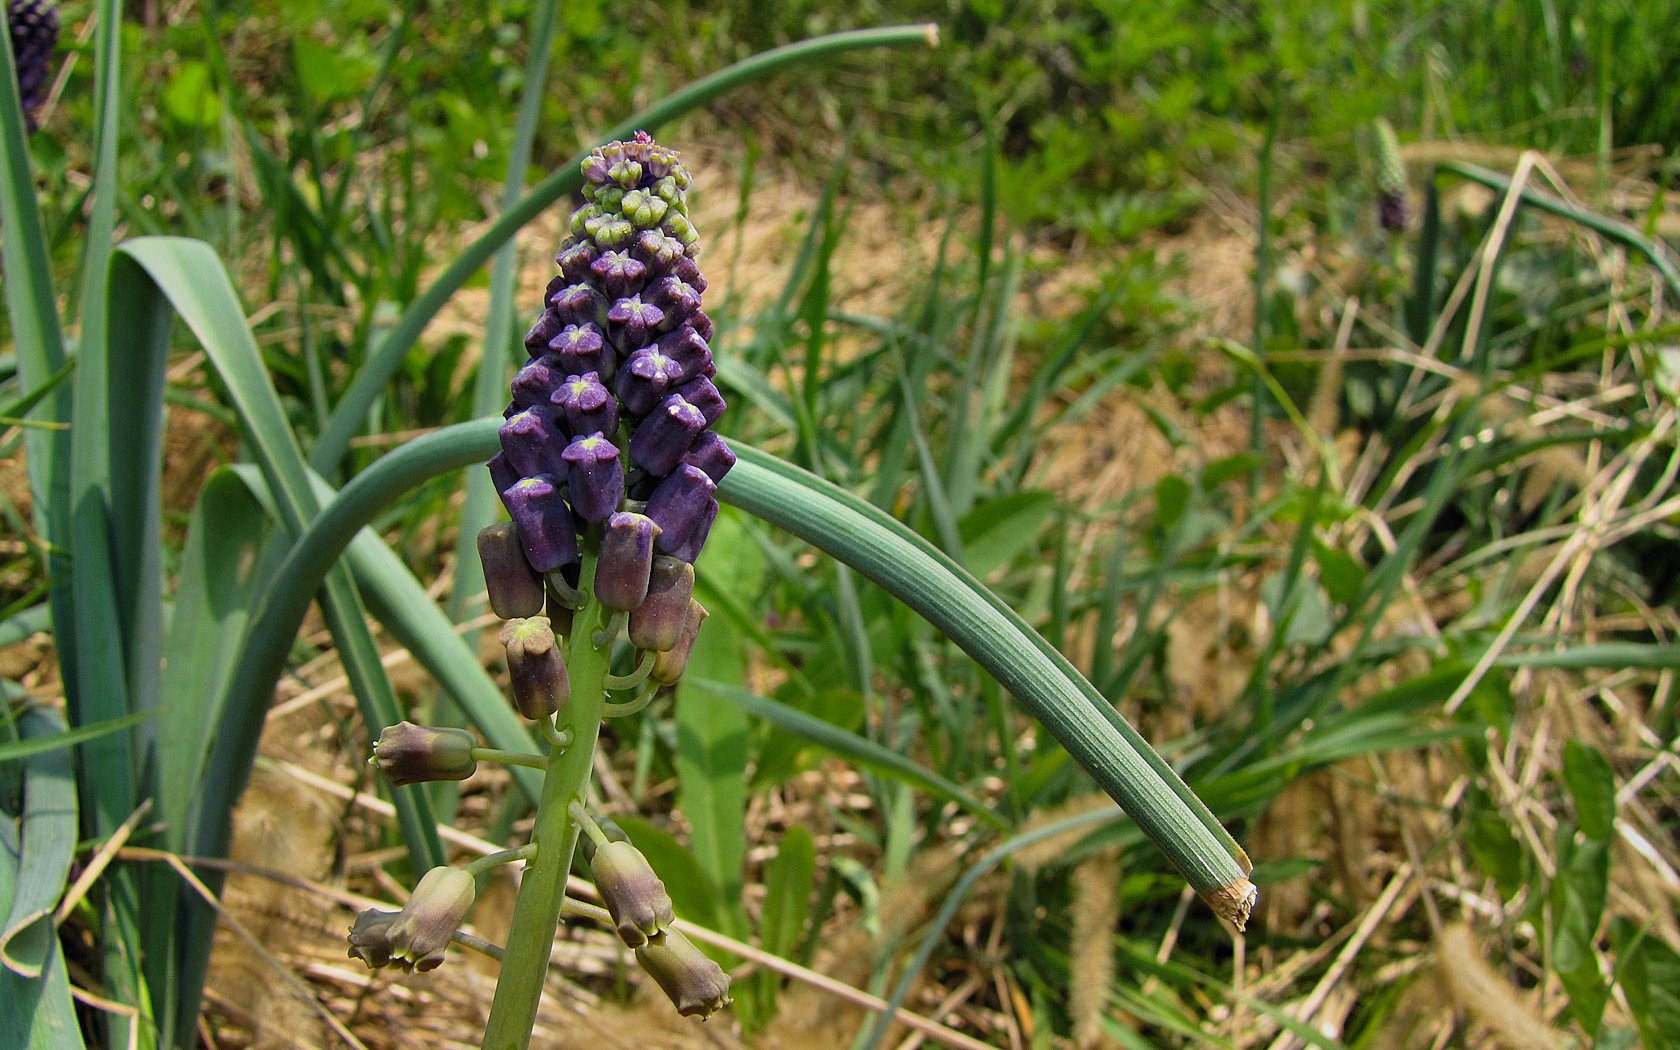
(34, 29)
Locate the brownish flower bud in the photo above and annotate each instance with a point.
(669, 665)
(634, 896)
(696, 985)
(419, 935)
(515, 588)
(370, 939)
(657, 623)
(411, 754)
(536, 669)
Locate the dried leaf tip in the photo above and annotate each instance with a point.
(1234, 902)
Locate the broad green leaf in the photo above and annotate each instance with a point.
(712, 749)
(1172, 499)
(1577, 897)
(1649, 972)
(1593, 786)
(787, 899)
(1487, 834)
(191, 96)
(36, 1013)
(1341, 574)
(996, 531)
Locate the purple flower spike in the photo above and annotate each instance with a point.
(710, 454)
(544, 522)
(620, 273)
(639, 319)
(530, 442)
(586, 405)
(683, 507)
(686, 347)
(702, 394)
(535, 383)
(596, 478)
(578, 304)
(664, 437)
(645, 379)
(621, 574)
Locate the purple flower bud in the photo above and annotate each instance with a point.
(676, 297)
(595, 475)
(621, 573)
(544, 522)
(536, 670)
(638, 319)
(645, 379)
(578, 304)
(514, 588)
(574, 262)
(669, 665)
(620, 273)
(711, 454)
(586, 405)
(702, 326)
(695, 984)
(664, 436)
(686, 270)
(581, 349)
(546, 328)
(595, 168)
(702, 394)
(502, 473)
(657, 623)
(659, 251)
(635, 898)
(411, 754)
(420, 933)
(536, 382)
(531, 442)
(688, 349)
(34, 31)
(683, 507)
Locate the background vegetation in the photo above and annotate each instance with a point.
(1371, 531)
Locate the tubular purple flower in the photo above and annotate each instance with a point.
(575, 261)
(578, 304)
(411, 754)
(595, 475)
(645, 379)
(537, 338)
(690, 352)
(711, 454)
(635, 898)
(657, 250)
(656, 624)
(581, 348)
(544, 522)
(638, 320)
(674, 296)
(33, 26)
(621, 574)
(586, 405)
(684, 507)
(502, 474)
(665, 435)
(514, 588)
(531, 442)
(619, 273)
(535, 383)
(703, 394)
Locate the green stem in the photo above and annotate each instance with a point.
(635, 678)
(543, 889)
(509, 758)
(587, 823)
(630, 707)
(506, 856)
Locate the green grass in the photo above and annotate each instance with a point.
(1387, 581)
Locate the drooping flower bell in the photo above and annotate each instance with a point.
(416, 937)
(695, 984)
(411, 754)
(33, 26)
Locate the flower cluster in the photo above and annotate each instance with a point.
(34, 29)
(610, 423)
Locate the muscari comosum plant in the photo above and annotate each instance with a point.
(610, 473)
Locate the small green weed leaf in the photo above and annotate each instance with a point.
(996, 531)
(1301, 611)
(330, 73)
(1593, 786)
(1226, 469)
(1342, 575)
(1649, 973)
(693, 895)
(191, 95)
(787, 884)
(1577, 898)
(1172, 498)
(1487, 834)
